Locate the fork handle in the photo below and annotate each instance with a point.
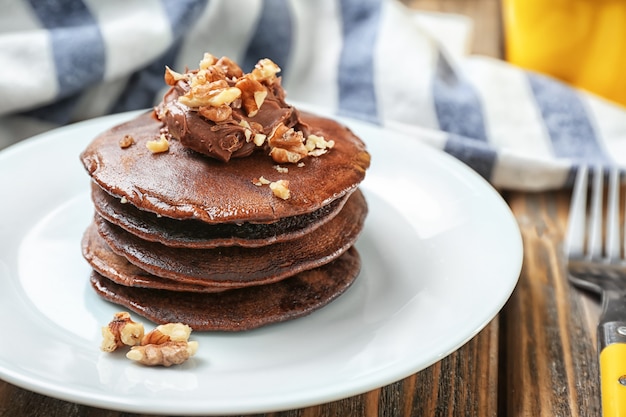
(612, 347)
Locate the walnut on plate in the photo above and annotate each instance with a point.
(121, 331)
(166, 345)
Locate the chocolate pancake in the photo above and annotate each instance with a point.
(236, 266)
(116, 268)
(200, 235)
(241, 309)
(183, 184)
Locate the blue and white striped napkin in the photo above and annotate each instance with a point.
(68, 60)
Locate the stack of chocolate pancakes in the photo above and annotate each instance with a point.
(181, 237)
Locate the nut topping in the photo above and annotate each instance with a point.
(222, 112)
(166, 345)
(158, 146)
(121, 331)
(174, 332)
(126, 141)
(230, 68)
(216, 114)
(280, 189)
(165, 354)
(172, 77)
(265, 71)
(207, 61)
(253, 95)
(286, 145)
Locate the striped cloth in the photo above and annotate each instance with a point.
(68, 60)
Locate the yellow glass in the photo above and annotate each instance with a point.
(582, 42)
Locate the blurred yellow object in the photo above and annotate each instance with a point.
(582, 42)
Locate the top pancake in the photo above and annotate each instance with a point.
(183, 184)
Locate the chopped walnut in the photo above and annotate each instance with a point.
(121, 331)
(165, 354)
(314, 143)
(220, 82)
(265, 71)
(204, 82)
(211, 94)
(126, 141)
(166, 345)
(286, 145)
(220, 92)
(207, 61)
(285, 156)
(260, 181)
(282, 170)
(172, 77)
(175, 332)
(209, 75)
(216, 114)
(259, 139)
(230, 68)
(209, 85)
(253, 95)
(280, 189)
(159, 145)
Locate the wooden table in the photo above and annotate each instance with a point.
(536, 358)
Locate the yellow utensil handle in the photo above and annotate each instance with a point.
(613, 380)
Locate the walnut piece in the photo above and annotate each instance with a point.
(166, 345)
(253, 95)
(230, 68)
(171, 77)
(126, 141)
(164, 354)
(317, 145)
(175, 332)
(259, 139)
(158, 145)
(265, 71)
(219, 82)
(212, 94)
(121, 331)
(280, 189)
(216, 114)
(260, 181)
(207, 61)
(286, 145)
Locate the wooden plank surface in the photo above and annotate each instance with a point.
(548, 358)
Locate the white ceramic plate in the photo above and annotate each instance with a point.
(441, 255)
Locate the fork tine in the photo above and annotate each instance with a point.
(576, 226)
(612, 223)
(594, 241)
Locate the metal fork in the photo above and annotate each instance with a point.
(596, 262)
